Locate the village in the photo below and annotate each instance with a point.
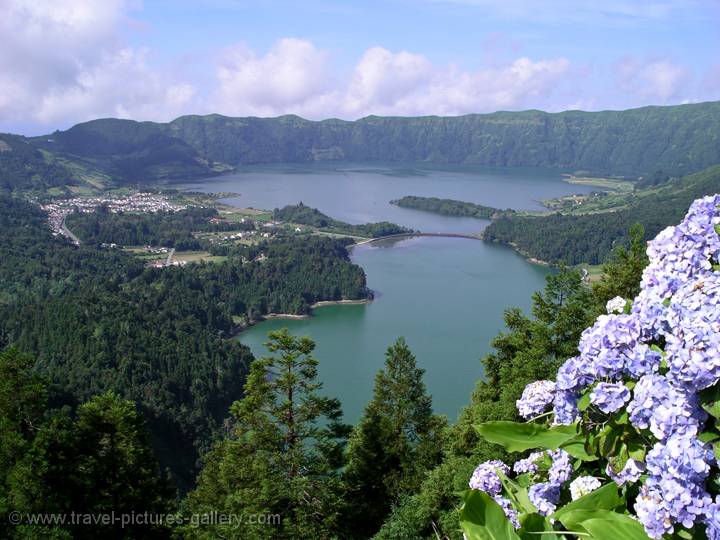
(59, 209)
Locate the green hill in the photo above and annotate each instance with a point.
(638, 142)
(589, 238)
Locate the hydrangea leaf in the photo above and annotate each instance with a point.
(517, 437)
(608, 497)
(612, 529)
(481, 518)
(535, 526)
(576, 448)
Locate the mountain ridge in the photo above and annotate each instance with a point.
(678, 139)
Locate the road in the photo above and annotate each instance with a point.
(69, 233)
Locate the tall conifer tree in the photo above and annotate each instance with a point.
(285, 454)
(396, 442)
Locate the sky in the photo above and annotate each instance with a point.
(69, 61)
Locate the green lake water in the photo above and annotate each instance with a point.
(445, 296)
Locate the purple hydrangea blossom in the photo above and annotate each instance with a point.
(529, 464)
(610, 397)
(485, 477)
(545, 497)
(630, 473)
(535, 398)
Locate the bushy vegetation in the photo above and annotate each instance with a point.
(305, 215)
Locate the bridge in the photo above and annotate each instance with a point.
(411, 234)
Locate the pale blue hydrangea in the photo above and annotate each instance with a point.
(652, 513)
(712, 520)
(529, 464)
(693, 346)
(583, 485)
(565, 408)
(536, 398)
(610, 397)
(677, 469)
(507, 507)
(485, 477)
(545, 497)
(608, 343)
(630, 473)
(561, 467)
(642, 360)
(575, 374)
(664, 409)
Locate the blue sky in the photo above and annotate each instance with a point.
(66, 61)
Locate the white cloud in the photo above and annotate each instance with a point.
(62, 61)
(657, 80)
(293, 77)
(290, 75)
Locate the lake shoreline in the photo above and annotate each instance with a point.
(238, 329)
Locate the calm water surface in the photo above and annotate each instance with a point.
(446, 296)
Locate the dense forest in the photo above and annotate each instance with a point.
(450, 207)
(98, 320)
(589, 238)
(304, 215)
(637, 142)
(168, 229)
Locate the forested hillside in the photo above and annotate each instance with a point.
(98, 320)
(638, 142)
(24, 167)
(589, 238)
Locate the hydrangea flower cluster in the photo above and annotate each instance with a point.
(486, 478)
(644, 365)
(535, 398)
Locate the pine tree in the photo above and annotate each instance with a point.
(285, 454)
(397, 441)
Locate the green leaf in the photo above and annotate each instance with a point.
(534, 523)
(607, 497)
(481, 518)
(516, 437)
(576, 448)
(710, 400)
(623, 526)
